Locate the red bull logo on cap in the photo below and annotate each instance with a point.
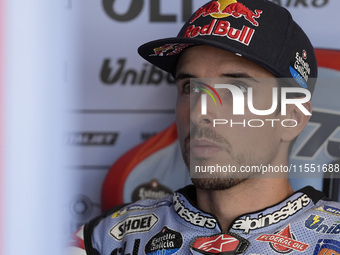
(225, 8)
(169, 49)
(220, 27)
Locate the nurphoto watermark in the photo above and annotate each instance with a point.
(238, 123)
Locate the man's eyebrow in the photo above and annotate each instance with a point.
(239, 75)
(182, 76)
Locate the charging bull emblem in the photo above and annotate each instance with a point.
(225, 8)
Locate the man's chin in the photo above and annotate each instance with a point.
(216, 183)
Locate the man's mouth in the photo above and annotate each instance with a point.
(203, 148)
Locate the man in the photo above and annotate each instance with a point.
(231, 50)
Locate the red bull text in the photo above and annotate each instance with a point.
(221, 28)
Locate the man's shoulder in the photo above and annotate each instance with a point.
(322, 210)
(142, 207)
(121, 222)
(135, 210)
(327, 208)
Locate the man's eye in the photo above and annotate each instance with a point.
(242, 87)
(238, 86)
(189, 88)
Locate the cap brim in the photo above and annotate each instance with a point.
(168, 61)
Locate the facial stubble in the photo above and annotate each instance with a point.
(218, 181)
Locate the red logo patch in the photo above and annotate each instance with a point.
(283, 241)
(219, 244)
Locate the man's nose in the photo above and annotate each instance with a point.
(202, 110)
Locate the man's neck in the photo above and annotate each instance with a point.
(248, 196)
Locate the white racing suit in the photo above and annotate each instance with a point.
(304, 223)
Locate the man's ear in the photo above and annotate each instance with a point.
(298, 121)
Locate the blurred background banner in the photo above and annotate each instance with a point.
(36, 42)
(2, 193)
(77, 97)
(121, 99)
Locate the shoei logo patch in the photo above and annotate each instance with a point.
(224, 8)
(134, 224)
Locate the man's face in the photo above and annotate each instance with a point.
(205, 145)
